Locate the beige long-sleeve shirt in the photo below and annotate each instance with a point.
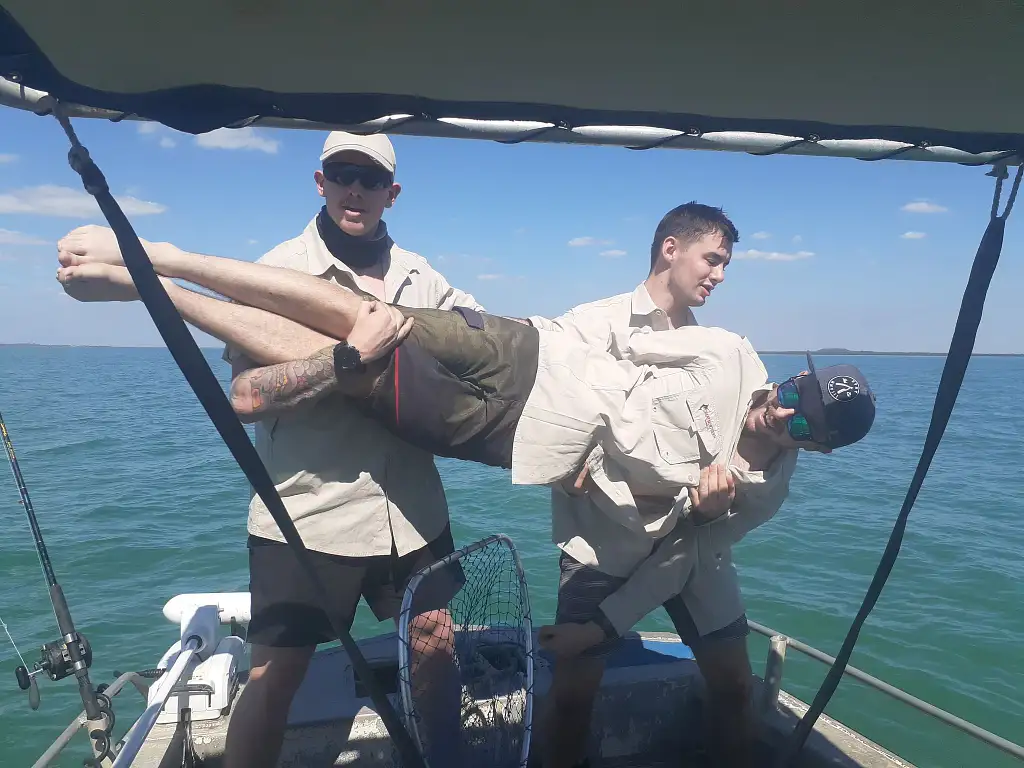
(351, 487)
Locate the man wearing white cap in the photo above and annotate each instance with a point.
(369, 506)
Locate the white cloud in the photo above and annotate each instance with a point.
(250, 241)
(797, 239)
(761, 235)
(580, 242)
(490, 277)
(166, 136)
(238, 138)
(923, 206)
(65, 202)
(9, 237)
(8, 159)
(772, 255)
(614, 253)
(913, 235)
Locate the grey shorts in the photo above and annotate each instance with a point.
(582, 588)
(458, 384)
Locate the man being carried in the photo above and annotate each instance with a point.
(498, 391)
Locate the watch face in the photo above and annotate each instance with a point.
(346, 358)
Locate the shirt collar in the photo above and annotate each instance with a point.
(642, 307)
(641, 304)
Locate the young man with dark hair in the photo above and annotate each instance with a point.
(691, 248)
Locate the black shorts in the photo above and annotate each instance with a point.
(582, 589)
(458, 384)
(286, 613)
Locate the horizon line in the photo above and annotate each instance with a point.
(823, 351)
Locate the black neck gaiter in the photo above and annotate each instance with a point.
(356, 252)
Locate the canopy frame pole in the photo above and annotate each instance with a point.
(632, 137)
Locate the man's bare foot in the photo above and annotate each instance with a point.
(93, 244)
(97, 282)
(90, 244)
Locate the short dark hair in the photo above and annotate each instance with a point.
(690, 222)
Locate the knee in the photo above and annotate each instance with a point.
(276, 677)
(432, 631)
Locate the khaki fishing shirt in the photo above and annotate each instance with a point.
(350, 486)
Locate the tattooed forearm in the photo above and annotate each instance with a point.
(282, 387)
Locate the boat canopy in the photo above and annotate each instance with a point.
(935, 80)
(920, 73)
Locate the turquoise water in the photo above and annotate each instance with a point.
(139, 500)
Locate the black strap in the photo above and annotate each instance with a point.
(960, 349)
(207, 389)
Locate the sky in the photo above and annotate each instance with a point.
(832, 252)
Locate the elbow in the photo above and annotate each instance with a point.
(241, 403)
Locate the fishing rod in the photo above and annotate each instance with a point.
(71, 654)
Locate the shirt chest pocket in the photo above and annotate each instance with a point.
(685, 424)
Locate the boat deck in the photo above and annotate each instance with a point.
(647, 716)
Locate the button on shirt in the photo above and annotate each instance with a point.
(350, 486)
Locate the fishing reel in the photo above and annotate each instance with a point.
(55, 661)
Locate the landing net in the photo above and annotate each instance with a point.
(466, 670)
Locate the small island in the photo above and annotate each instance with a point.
(843, 352)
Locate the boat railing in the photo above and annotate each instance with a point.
(777, 645)
(774, 667)
(134, 678)
(156, 699)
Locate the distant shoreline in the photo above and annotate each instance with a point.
(826, 352)
(869, 353)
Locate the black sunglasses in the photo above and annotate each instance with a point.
(371, 177)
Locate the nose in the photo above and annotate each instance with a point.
(718, 274)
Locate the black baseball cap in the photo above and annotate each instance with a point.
(837, 402)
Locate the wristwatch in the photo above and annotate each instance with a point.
(347, 359)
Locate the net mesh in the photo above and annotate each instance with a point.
(466, 658)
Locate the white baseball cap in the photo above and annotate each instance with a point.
(377, 147)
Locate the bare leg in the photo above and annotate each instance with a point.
(304, 298)
(725, 666)
(257, 727)
(264, 337)
(568, 708)
(437, 692)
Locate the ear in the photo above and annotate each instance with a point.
(669, 249)
(393, 193)
(318, 177)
